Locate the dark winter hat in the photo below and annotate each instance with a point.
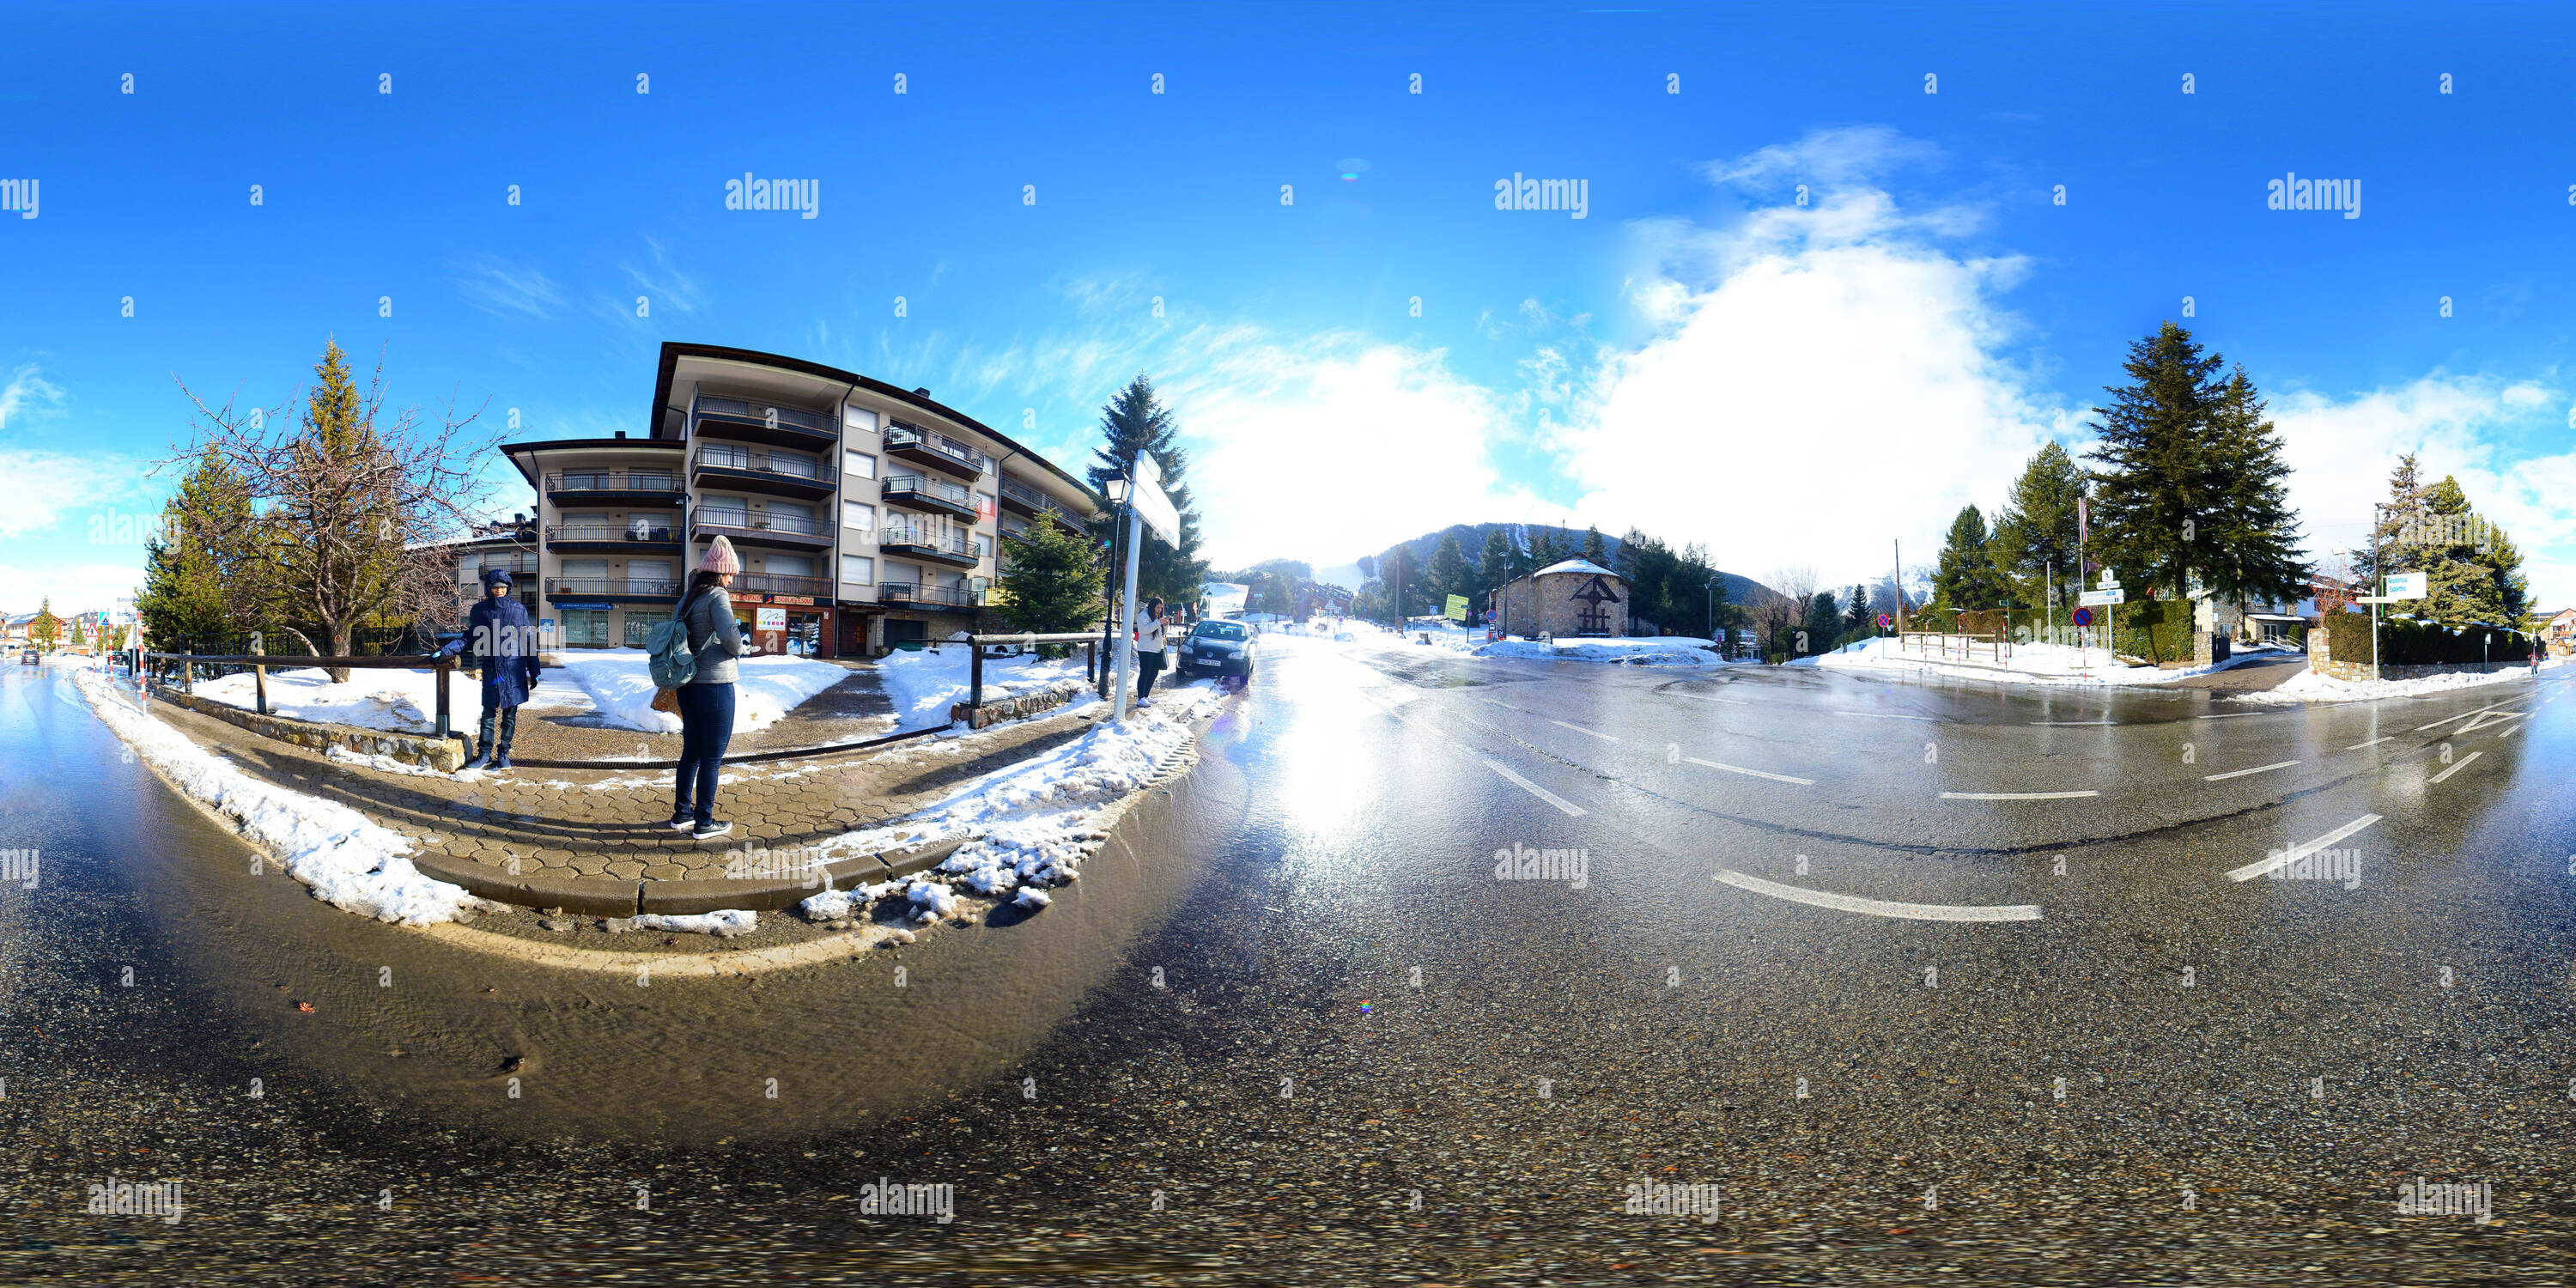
(496, 577)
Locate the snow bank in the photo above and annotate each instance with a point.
(620, 682)
(394, 701)
(723, 925)
(2051, 664)
(1660, 650)
(2317, 686)
(926, 684)
(1027, 826)
(349, 862)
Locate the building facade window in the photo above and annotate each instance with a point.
(638, 627)
(863, 421)
(859, 515)
(858, 570)
(859, 465)
(585, 628)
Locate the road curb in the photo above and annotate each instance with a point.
(616, 898)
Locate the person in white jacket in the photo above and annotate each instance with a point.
(1149, 650)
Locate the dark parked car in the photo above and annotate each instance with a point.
(1217, 648)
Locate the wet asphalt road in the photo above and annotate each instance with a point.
(1369, 1060)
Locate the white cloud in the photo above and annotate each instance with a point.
(72, 588)
(1825, 379)
(49, 489)
(28, 393)
(2341, 453)
(508, 290)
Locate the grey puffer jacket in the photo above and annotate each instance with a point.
(714, 635)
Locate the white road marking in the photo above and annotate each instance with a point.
(1580, 729)
(2462, 764)
(1877, 715)
(1756, 773)
(2372, 743)
(2070, 724)
(2492, 716)
(2509, 733)
(2240, 773)
(2462, 716)
(2301, 851)
(1881, 907)
(2016, 796)
(1534, 789)
(1702, 697)
(2230, 715)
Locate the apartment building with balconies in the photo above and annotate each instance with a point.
(865, 514)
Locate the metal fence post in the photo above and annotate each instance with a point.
(975, 674)
(438, 672)
(259, 673)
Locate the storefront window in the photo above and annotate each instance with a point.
(638, 626)
(585, 628)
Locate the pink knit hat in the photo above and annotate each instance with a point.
(721, 558)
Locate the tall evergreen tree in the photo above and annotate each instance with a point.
(1449, 574)
(2192, 488)
(1967, 577)
(1593, 549)
(2035, 535)
(204, 548)
(1824, 622)
(1051, 580)
(1856, 614)
(1136, 421)
(47, 628)
(1496, 566)
(2396, 524)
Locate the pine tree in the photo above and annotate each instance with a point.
(2395, 527)
(1592, 547)
(1135, 421)
(1496, 566)
(1449, 574)
(1824, 622)
(80, 633)
(2192, 487)
(193, 566)
(2035, 535)
(1967, 577)
(1856, 609)
(47, 628)
(1051, 580)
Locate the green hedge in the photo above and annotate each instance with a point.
(2411, 643)
(2156, 629)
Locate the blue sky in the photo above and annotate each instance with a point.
(1699, 356)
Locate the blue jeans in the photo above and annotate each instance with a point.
(706, 729)
(509, 729)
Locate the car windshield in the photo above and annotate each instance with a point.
(1219, 631)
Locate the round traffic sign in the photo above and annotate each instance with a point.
(2084, 617)
(1884, 621)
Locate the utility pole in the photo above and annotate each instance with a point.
(2379, 590)
(1897, 552)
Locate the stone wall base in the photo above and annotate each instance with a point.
(2360, 671)
(418, 749)
(1021, 705)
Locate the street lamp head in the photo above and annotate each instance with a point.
(1117, 489)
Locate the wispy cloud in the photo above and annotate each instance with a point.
(670, 289)
(506, 289)
(29, 394)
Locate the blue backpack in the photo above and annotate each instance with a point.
(667, 652)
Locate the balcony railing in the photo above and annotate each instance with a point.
(780, 583)
(802, 469)
(924, 486)
(765, 413)
(613, 481)
(611, 532)
(648, 586)
(899, 436)
(745, 521)
(952, 543)
(897, 592)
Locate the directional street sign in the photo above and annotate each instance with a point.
(2405, 585)
(2105, 598)
(1151, 505)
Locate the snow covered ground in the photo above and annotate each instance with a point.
(1028, 826)
(614, 684)
(2315, 686)
(1224, 598)
(620, 684)
(2051, 664)
(346, 860)
(925, 684)
(1664, 650)
(394, 701)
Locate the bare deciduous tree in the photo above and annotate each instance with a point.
(342, 511)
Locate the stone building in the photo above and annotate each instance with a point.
(1576, 597)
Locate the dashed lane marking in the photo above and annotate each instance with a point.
(1752, 773)
(1882, 907)
(1572, 810)
(2462, 764)
(1881, 715)
(2230, 715)
(2296, 852)
(2240, 773)
(2070, 724)
(1581, 730)
(2016, 796)
(1702, 697)
(2372, 743)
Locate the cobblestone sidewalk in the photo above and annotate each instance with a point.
(611, 823)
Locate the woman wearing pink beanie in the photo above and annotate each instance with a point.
(707, 702)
